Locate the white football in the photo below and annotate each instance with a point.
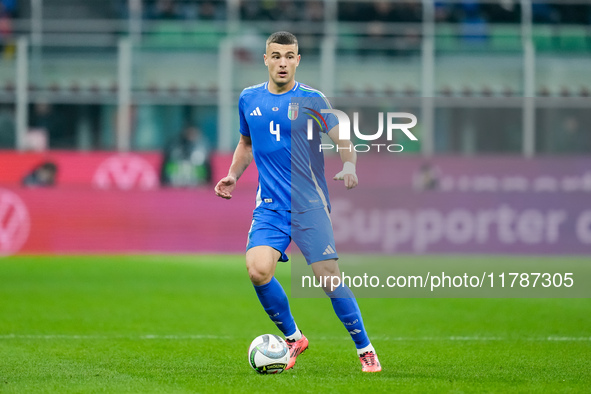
(268, 354)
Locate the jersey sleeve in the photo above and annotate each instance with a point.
(322, 103)
(244, 130)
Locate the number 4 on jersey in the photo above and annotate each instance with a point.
(274, 131)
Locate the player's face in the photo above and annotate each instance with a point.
(282, 60)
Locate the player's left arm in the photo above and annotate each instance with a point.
(349, 158)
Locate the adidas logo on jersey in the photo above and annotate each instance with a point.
(256, 112)
(328, 250)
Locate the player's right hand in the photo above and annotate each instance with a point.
(225, 187)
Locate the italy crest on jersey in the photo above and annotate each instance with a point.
(292, 111)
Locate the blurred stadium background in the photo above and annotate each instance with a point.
(142, 95)
(117, 117)
(75, 65)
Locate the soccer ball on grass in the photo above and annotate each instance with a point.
(268, 354)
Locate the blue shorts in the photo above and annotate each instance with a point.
(311, 231)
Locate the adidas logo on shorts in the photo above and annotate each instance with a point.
(328, 250)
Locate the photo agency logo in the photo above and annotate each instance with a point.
(393, 123)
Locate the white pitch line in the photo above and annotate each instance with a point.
(214, 337)
(568, 339)
(61, 336)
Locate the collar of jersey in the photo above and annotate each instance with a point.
(281, 94)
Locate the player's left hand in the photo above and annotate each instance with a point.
(347, 175)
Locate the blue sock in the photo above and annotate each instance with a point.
(274, 300)
(346, 308)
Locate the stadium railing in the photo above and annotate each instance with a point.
(177, 63)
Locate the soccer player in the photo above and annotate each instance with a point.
(292, 197)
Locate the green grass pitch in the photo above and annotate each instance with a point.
(176, 324)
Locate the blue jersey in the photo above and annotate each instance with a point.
(290, 165)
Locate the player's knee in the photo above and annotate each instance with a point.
(259, 274)
(327, 268)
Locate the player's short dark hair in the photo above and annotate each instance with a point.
(282, 38)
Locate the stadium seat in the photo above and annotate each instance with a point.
(544, 38)
(573, 39)
(506, 38)
(348, 39)
(177, 34)
(446, 38)
(204, 35)
(165, 35)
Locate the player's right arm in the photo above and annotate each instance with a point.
(242, 154)
(349, 158)
(242, 158)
